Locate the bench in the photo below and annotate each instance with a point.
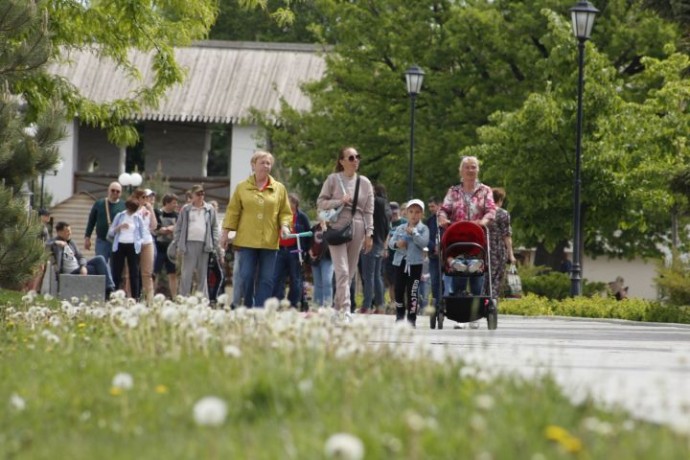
(79, 286)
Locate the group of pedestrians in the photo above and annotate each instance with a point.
(264, 219)
(133, 239)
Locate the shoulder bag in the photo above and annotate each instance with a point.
(343, 235)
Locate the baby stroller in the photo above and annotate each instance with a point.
(464, 251)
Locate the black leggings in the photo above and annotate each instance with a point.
(126, 252)
(408, 284)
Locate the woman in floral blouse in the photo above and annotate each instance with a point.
(469, 201)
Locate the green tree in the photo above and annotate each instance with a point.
(274, 21)
(501, 82)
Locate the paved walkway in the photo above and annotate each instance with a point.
(643, 367)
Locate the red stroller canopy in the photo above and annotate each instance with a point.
(463, 232)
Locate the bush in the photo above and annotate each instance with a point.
(674, 282)
(632, 309)
(542, 281)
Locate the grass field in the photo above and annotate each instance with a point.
(126, 381)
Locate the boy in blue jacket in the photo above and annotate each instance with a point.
(409, 241)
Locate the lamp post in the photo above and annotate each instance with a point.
(414, 76)
(582, 14)
(130, 180)
(56, 169)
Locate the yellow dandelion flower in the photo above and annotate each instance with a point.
(560, 435)
(115, 391)
(161, 389)
(81, 325)
(555, 433)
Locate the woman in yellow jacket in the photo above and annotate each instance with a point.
(259, 212)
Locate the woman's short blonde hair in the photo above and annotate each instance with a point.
(467, 160)
(259, 154)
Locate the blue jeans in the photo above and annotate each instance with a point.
(435, 279)
(257, 265)
(288, 265)
(372, 277)
(98, 266)
(323, 282)
(476, 283)
(104, 248)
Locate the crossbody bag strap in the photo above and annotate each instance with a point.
(354, 202)
(107, 211)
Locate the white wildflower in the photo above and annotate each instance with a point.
(158, 298)
(17, 402)
(222, 299)
(47, 297)
(414, 421)
(74, 300)
(284, 304)
(484, 401)
(50, 337)
(344, 446)
(123, 381)
(191, 301)
(232, 351)
(210, 411)
(272, 304)
(55, 321)
(477, 422)
(169, 314)
(305, 386)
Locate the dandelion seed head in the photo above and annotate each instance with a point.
(344, 446)
(123, 381)
(50, 337)
(484, 401)
(272, 304)
(17, 402)
(210, 411)
(232, 351)
(305, 386)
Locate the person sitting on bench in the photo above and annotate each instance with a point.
(69, 259)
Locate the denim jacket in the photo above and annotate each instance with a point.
(138, 231)
(414, 252)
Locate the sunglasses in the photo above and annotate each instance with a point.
(352, 158)
(115, 191)
(200, 193)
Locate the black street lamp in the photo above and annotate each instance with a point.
(583, 14)
(414, 77)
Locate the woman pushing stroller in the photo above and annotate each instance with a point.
(469, 201)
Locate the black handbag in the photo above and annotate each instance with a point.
(336, 236)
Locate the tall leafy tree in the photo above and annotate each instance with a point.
(486, 64)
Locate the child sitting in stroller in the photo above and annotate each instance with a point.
(409, 241)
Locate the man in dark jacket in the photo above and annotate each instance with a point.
(101, 216)
(372, 271)
(288, 258)
(69, 259)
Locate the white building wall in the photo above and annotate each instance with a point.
(244, 144)
(62, 185)
(638, 274)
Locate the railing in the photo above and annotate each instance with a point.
(216, 188)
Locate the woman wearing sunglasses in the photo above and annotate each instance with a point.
(340, 190)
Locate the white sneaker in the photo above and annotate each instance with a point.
(474, 325)
(348, 318)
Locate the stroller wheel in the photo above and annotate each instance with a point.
(432, 321)
(492, 316)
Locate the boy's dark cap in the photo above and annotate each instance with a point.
(394, 206)
(43, 212)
